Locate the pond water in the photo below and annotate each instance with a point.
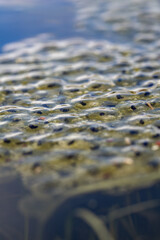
(24, 19)
(80, 120)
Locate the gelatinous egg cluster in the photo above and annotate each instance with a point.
(76, 111)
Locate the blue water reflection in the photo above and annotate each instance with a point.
(20, 19)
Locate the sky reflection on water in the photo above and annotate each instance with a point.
(23, 19)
